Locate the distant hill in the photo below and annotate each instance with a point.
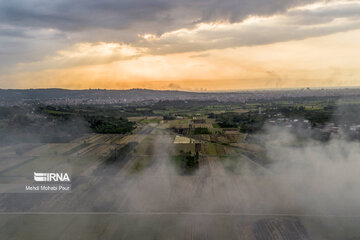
(97, 96)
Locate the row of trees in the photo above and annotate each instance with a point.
(246, 122)
(100, 124)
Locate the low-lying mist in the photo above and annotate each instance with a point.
(311, 178)
(302, 177)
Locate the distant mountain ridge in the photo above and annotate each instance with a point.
(100, 96)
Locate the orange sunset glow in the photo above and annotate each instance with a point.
(304, 44)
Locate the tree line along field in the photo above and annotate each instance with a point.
(121, 118)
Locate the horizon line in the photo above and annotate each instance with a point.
(190, 91)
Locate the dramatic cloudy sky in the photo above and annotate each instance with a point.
(179, 44)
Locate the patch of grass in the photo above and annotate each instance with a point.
(186, 163)
(215, 125)
(138, 166)
(147, 121)
(211, 149)
(77, 148)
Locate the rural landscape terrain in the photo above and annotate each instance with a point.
(180, 120)
(182, 165)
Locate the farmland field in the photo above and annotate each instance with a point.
(197, 176)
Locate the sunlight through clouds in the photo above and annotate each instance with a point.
(195, 50)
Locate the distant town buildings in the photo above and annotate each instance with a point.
(74, 97)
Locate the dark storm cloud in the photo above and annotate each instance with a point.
(162, 14)
(23, 22)
(80, 15)
(294, 24)
(33, 29)
(234, 11)
(13, 32)
(319, 16)
(19, 44)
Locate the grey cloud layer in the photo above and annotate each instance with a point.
(295, 24)
(25, 37)
(69, 15)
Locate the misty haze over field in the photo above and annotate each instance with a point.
(303, 183)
